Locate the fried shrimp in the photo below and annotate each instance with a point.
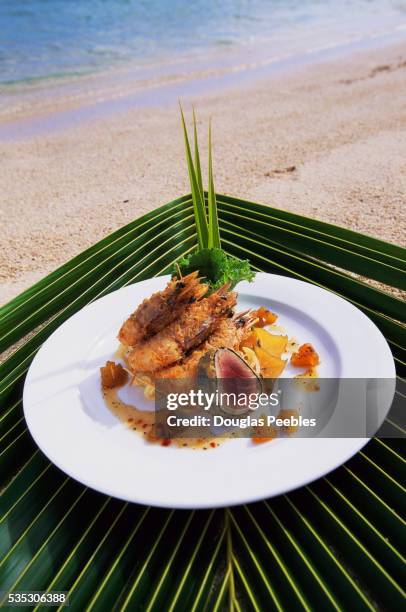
(195, 323)
(163, 307)
(228, 334)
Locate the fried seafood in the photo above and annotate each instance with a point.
(194, 324)
(163, 307)
(228, 334)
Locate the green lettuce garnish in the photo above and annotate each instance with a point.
(216, 267)
(212, 262)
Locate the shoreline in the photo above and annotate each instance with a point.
(326, 139)
(57, 105)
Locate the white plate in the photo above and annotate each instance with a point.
(69, 421)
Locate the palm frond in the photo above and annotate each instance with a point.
(214, 232)
(198, 168)
(332, 545)
(197, 192)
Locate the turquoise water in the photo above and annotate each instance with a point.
(55, 38)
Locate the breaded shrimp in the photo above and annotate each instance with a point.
(163, 307)
(193, 326)
(228, 334)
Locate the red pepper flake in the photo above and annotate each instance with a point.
(213, 444)
(145, 425)
(165, 442)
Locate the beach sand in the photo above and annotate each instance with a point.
(326, 140)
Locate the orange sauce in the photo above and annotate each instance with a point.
(143, 423)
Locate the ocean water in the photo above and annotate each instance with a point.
(43, 39)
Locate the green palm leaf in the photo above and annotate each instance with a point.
(214, 232)
(195, 178)
(198, 168)
(333, 545)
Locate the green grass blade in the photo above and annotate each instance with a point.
(197, 196)
(214, 233)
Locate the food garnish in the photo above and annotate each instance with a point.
(271, 367)
(212, 262)
(305, 357)
(272, 434)
(264, 316)
(216, 267)
(113, 375)
(272, 343)
(269, 349)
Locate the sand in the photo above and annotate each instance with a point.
(327, 140)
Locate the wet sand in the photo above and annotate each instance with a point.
(327, 140)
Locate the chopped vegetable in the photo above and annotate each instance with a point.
(271, 367)
(264, 433)
(264, 316)
(306, 357)
(113, 375)
(268, 349)
(261, 440)
(273, 344)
